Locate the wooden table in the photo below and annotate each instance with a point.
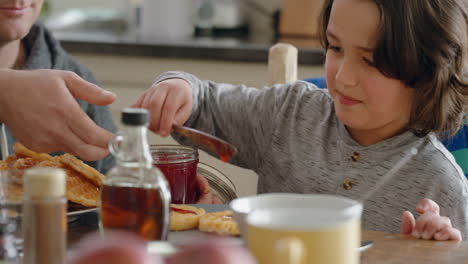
(387, 249)
(395, 248)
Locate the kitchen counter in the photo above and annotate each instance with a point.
(205, 48)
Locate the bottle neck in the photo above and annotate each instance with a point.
(134, 149)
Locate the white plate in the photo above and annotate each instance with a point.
(12, 209)
(75, 215)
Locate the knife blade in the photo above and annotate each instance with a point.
(211, 144)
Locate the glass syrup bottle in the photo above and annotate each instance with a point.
(135, 196)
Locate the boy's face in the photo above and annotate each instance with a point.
(371, 105)
(17, 17)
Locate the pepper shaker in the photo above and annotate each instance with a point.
(44, 216)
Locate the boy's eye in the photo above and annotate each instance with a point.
(369, 62)
(334, 48)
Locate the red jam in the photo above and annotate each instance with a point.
(182, 211)
(179, 166)
(225, 158)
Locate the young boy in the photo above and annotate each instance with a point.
(396, 75)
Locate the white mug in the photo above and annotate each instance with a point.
(323, 233)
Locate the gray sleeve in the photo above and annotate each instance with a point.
(244, 116)
(221, 109)
(460, 218)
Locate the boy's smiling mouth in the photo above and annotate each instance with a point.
(346, 100)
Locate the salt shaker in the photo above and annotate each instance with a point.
(44, 216)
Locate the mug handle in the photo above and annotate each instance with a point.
(290, 250)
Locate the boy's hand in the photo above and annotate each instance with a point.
(430, 225)
(169, 102)
(206, 195)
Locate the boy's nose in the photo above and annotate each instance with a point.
(346, 74)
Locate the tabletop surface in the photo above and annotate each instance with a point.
(388, 248)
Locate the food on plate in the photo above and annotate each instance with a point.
(185, 217)
(221, 223)
(83, 181)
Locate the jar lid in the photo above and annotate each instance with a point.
(44, 182)
(135, 116)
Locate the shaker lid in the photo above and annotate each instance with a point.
(44, 182)
(135, 116)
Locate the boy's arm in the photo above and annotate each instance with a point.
(240, 115)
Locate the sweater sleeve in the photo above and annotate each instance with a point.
(244, 116)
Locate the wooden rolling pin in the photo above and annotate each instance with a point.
(282, 63)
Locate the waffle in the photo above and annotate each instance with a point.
(83, 181)
(185, 217)
(220, 223)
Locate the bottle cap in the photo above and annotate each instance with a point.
(44, 182)
(135, 116)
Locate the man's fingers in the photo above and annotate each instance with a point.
(448, 233)
(87, 91)
(427, 205)
(84, 127)
(407, 223)
(74, 145)
(91, 153)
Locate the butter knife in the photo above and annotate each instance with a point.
(211, 144)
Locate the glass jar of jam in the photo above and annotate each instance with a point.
(179, 166)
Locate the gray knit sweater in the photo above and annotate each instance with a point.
(290, 136)
(43, 51)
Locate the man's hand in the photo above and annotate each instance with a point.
(430, 225)
(40, 109)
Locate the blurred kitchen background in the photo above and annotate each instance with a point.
(127, 43)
